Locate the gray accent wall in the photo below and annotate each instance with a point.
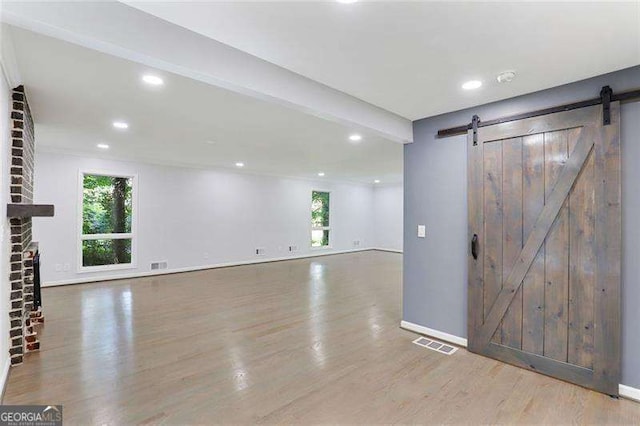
(435, 195)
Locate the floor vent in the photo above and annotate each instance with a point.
(155, 266)
(434, 345)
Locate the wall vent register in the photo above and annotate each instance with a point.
(434, 345)
(156, 266)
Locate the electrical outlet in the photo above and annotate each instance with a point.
(356, 243)
(260, 251)
(58, 267)
(205, 255)
(293, 248)
(67, 267)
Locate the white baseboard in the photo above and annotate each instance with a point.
(111, 277)
(387, 249)
(625, 391)
(450, 338)
(629, 392)
(4, 377)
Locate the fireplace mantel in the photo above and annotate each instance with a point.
(29, 210)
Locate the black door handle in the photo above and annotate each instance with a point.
(474, 246)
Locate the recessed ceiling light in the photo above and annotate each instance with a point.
(376, 181)
(210, 142)
(506, 77)
(346, 1)
(473, 84)
(321, 174)
(355, 138)
(103, 146)
(120, 125)
(153, 80)
(239, 164)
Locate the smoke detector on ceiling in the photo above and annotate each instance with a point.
(506, 77)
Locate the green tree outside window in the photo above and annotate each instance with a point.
(320, 209)
(107, 205)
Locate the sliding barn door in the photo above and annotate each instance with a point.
(545, 232)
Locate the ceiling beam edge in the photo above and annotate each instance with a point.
(113, 28)
(8, 63)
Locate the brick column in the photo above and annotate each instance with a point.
(22, 248)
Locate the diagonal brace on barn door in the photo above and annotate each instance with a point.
(543, 224)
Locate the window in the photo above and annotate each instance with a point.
(320, 219)
(107, 221)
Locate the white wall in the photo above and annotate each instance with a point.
(193, 217)
(388, 218)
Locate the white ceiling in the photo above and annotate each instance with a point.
(116, 29)
(75, 94)
(411, 57)
(393, 58)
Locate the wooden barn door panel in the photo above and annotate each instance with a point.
(544, 207)
(533, 283)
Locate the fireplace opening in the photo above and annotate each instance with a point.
(37, 294)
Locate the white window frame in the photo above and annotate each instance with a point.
(321, 228)
(131, 235)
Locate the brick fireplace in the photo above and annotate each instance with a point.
(23, 314)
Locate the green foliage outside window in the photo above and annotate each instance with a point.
(106, 205)
(106, 252)
(319, 238)
(319, 209)
(106, 209)
(320, 218)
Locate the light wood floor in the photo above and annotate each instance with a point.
(302, 341)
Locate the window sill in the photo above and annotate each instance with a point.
(322, 248)
(106, 268)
